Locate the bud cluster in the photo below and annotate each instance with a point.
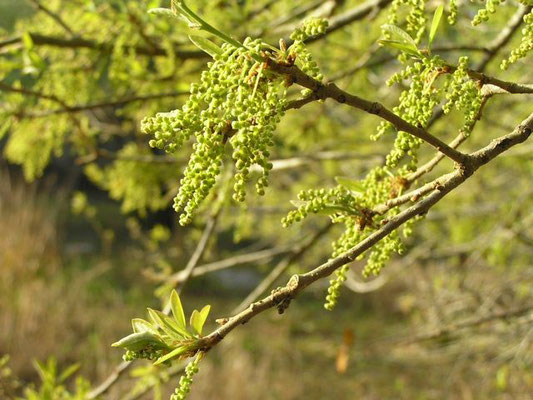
(463, 94)
(416, 19)
(416, 106)
(526, 45)
(484, 13)
(311, 27)
(237, 101)
(185, 383)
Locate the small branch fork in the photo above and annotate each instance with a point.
(281, 297)
(322, 91)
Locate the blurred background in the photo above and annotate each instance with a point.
(88, 237)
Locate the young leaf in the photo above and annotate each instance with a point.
(177, 309)
(174, 353)
(162, 11)
(139, 341)
(354, 186)
(406, 48)
(206, 45)
(435, 24)
(399, 35)
(198, 319)
(166, 323)
(139, 325)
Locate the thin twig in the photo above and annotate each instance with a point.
(53, 15)
(470, 323)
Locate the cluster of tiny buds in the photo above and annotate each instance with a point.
(336, 200)
(416, 106)
(310, 27)
(484, 13)
(526, 45)
(416, 19)
(381, 254)
(463, 94)
(453, 10)
(335, 286)
(185, 383)
(237, 102)
(147, 354)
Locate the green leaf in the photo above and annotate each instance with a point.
(354, 186)
(435, 24)
(68, 372)
(399, 35)
(139, 325)
(167, 12)
(198, 319)
(406, 48)
(168, 325)
(174, 353)
(177, 309)
(139, 341)
(206, 45)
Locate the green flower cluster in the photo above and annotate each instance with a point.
(452, 12)
(335, 287)
(237, 101)
(382, 253)
(351, 203)
(416, 106)
(311, 27)
(484, 13)
(335, 202)
(462, 93)
(526, 45)
(184, 387)
(416, 19)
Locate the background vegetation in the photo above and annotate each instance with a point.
(89, 239)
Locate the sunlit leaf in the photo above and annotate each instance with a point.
(206, 45)
(140, 325)
(406, 48)
(166, 323)
(399, 35)
(172, 354)
(139, 341)
(177, 309)
(355, 186)
(435, 23)
(198, 319)
(167, 12)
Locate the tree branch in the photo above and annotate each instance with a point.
(323, 91)
(281, 297)
(78, 42)
(53, 15)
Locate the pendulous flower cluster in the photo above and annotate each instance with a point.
(184, 387)
(526, 45)
(238, 102)
(463, 94)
